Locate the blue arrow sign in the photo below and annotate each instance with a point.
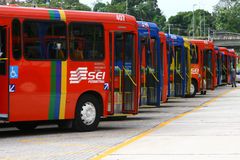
(12, 88)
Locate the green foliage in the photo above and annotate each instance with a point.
(66, 4)
(182, 23)
(144, 10)
(227, 15)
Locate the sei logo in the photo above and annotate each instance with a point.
(81, 73)
(194, 70)
(120, 17)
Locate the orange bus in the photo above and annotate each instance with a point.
(202, 66)
(58, 65)
(225, 65)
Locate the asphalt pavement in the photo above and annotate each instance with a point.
(50, 143)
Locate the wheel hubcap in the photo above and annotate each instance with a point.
(88, 113)
(192, 89)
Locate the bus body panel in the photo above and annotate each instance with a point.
(33, 98)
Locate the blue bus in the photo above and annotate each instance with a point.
(150, 63)
(177, 78)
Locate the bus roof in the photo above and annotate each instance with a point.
(232, 52)
(223, 50)
(69, 15)
(203, 43)
(175, 40)
(162, 36)
(144, 27)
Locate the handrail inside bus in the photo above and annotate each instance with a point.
(154, 76)
(3, 59)
(144, 76)
(129, 76)
(120, 79)
(225, 69)
(178, 72)
(209, 71)
(187, 75)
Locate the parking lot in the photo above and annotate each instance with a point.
(49, 142)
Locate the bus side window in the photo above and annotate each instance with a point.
(16, 39)
(86, 41)
(44, 40)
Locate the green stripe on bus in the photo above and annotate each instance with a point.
(52, 90)
(51, 13)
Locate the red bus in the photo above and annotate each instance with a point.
(225, 65)
(202, 66)
(66, 65)
(164, 63)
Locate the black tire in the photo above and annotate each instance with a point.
(78, 123)
(26, 126)
(193, 94)
(202, 92)
(205, 92)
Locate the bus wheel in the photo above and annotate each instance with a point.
(87, 115)
(193, 89)
(205, 92)
(26, 126)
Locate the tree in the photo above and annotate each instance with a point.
(144, 10)
(66, 4)
(227, 15)
(182, 23)
(99, 7)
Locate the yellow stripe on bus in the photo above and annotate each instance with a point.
(62, 15)
(64, 91)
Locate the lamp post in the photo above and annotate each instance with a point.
(194, 20)
(126, 6)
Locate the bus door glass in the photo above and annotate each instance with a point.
(219, 60)
(143, 49)
(4, 76)
(178, 77)
(228, 69)
(224, 68)
(171, 68)
(152, 72)
(209, 68)
(188, 68)
(124, 76)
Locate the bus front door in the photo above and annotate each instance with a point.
(123, 76)
(208, 64)
(179, 72)
(149, 73)
(4, 85)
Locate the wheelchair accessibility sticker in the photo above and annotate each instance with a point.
(13, 73)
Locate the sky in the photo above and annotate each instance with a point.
(178, 5)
